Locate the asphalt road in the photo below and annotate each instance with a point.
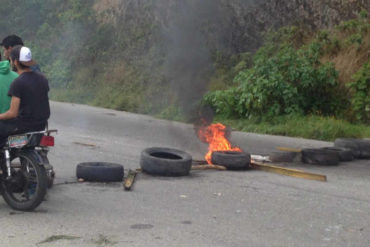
(207, 208)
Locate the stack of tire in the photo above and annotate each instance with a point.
(344, 150)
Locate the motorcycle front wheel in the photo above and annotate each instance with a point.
(28, 185)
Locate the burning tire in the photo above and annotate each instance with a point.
(320, 157)
(100, 172)
(232, 160)
(165, 162)
(344, 154)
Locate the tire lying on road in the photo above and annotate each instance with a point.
(165, 162)
(344, 154)
(349, 143)
(365, 148)
(231, 160)
(359, 147)
(281, 156)
(320, 157)
(100, 172)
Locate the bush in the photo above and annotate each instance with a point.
(281, 82)
(359, 25)
(360, 88)
(224, 102)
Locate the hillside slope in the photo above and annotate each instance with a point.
(152, 56)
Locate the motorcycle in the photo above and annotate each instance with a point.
(25, 172)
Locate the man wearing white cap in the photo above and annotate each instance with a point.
(29, 107)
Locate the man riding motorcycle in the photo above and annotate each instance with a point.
(24, 141)
(29, 107)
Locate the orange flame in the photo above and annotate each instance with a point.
(214, 135)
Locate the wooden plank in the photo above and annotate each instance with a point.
(287, 149)
(130, 179)
(208, 167)
(288, 171)
(84, 144)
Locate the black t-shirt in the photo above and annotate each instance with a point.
(32, 88)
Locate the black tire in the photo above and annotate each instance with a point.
(231, 160)
(100, 172)
(349, 143)
(15, 196)
(280, 156)
(365, 148)
(359, 147)
(320, 157)
(165, 162)
(344, 154)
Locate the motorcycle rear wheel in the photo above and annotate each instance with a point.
(28, 186)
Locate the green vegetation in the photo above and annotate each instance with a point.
(299, 80)
(93, 56)
(311, 127)
(285, 82)
(361, 94)
(96, 53)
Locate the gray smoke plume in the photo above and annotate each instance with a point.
(190, 30)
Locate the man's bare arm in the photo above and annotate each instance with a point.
(13, 111)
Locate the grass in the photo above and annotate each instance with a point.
(310, 127)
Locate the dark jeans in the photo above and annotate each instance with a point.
(7, 128)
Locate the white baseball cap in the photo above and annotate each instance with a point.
(25, 56)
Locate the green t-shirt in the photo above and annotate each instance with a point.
(6, 78)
